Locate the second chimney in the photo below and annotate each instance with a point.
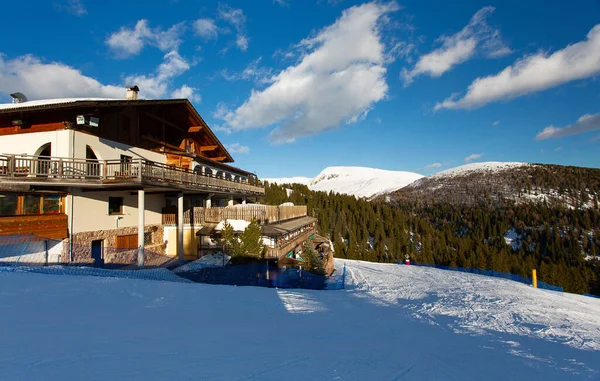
(132, 93)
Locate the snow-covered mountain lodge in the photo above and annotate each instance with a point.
(123, 174)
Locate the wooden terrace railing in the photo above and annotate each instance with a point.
(262, 213)
(20, 168)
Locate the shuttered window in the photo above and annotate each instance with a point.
(128, 241)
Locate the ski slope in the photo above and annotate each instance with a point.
(355, 181)
(392, 322)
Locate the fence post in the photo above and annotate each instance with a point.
(534, 278)
(20, 255)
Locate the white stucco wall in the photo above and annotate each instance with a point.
(62, 143)
(29, 144)
(110, 150)
(90, 210)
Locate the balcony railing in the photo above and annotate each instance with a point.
(264, 214)
(20, 168)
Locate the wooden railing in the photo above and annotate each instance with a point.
(286, 247)
(38, 168)
(264, 214)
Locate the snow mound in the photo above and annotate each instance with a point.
(488, 166)
(356, 181)
(238, 225)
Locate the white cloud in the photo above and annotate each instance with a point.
(339, 77)
(206, 28)
(38, 80)
(473, 157)
(238, 148)
(74, 7)
(237, 19)
(242, 42)
(533, 73)
(128, 42)
(283, 3)
(558, 149)
(157, 85)
(477, 37)
(496, 123)
(186, 92)
(253, 71)
(433, 165)
(586, 123)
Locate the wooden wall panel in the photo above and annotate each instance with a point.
(52, 226)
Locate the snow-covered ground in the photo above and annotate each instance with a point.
(356, 181)
(392, 322)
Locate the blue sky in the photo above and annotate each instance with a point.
(294, 86)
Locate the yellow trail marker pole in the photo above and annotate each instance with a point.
(534, 278)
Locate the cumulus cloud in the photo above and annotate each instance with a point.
(74, 7)
(157, 85)
(586, 123)
(39, 80)
(476, 38)
(533, 73)
(130, 41)
(473, 157)
(338, 78)
(496, 123)
(237, 19)
(238, 148)
(206, 28)
(186, 92)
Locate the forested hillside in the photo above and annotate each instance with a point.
(561, 243)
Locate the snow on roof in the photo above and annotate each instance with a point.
(238, 225)
(46, 102)
(488, 166)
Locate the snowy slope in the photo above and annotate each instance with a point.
(488, 166)
(290, 180)
(357, 181)
(391, 322)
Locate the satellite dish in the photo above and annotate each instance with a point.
(18, 97)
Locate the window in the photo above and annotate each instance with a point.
(51, 204)
(31, 204)
(128, 241)
(115, 205)
(8, 204)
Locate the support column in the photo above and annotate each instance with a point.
(180, 225)
(208, 202)
(230, 201)
(141, 225)
(244, 200)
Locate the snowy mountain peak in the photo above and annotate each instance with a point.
(356, 181)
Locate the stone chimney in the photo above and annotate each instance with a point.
(132, 93)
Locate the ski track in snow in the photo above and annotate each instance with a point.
(392, 322)
(483, 304)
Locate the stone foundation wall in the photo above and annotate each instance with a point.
(82, 245)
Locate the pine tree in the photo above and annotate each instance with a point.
(228, 239)
(310, 259)
(251, 244)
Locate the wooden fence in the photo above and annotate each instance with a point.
(264, 214)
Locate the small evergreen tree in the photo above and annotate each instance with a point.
(251, 244)
(228, 239)
(310, 260)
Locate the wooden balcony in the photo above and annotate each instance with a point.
(264, 214)
(283, 248)
(17, 169)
